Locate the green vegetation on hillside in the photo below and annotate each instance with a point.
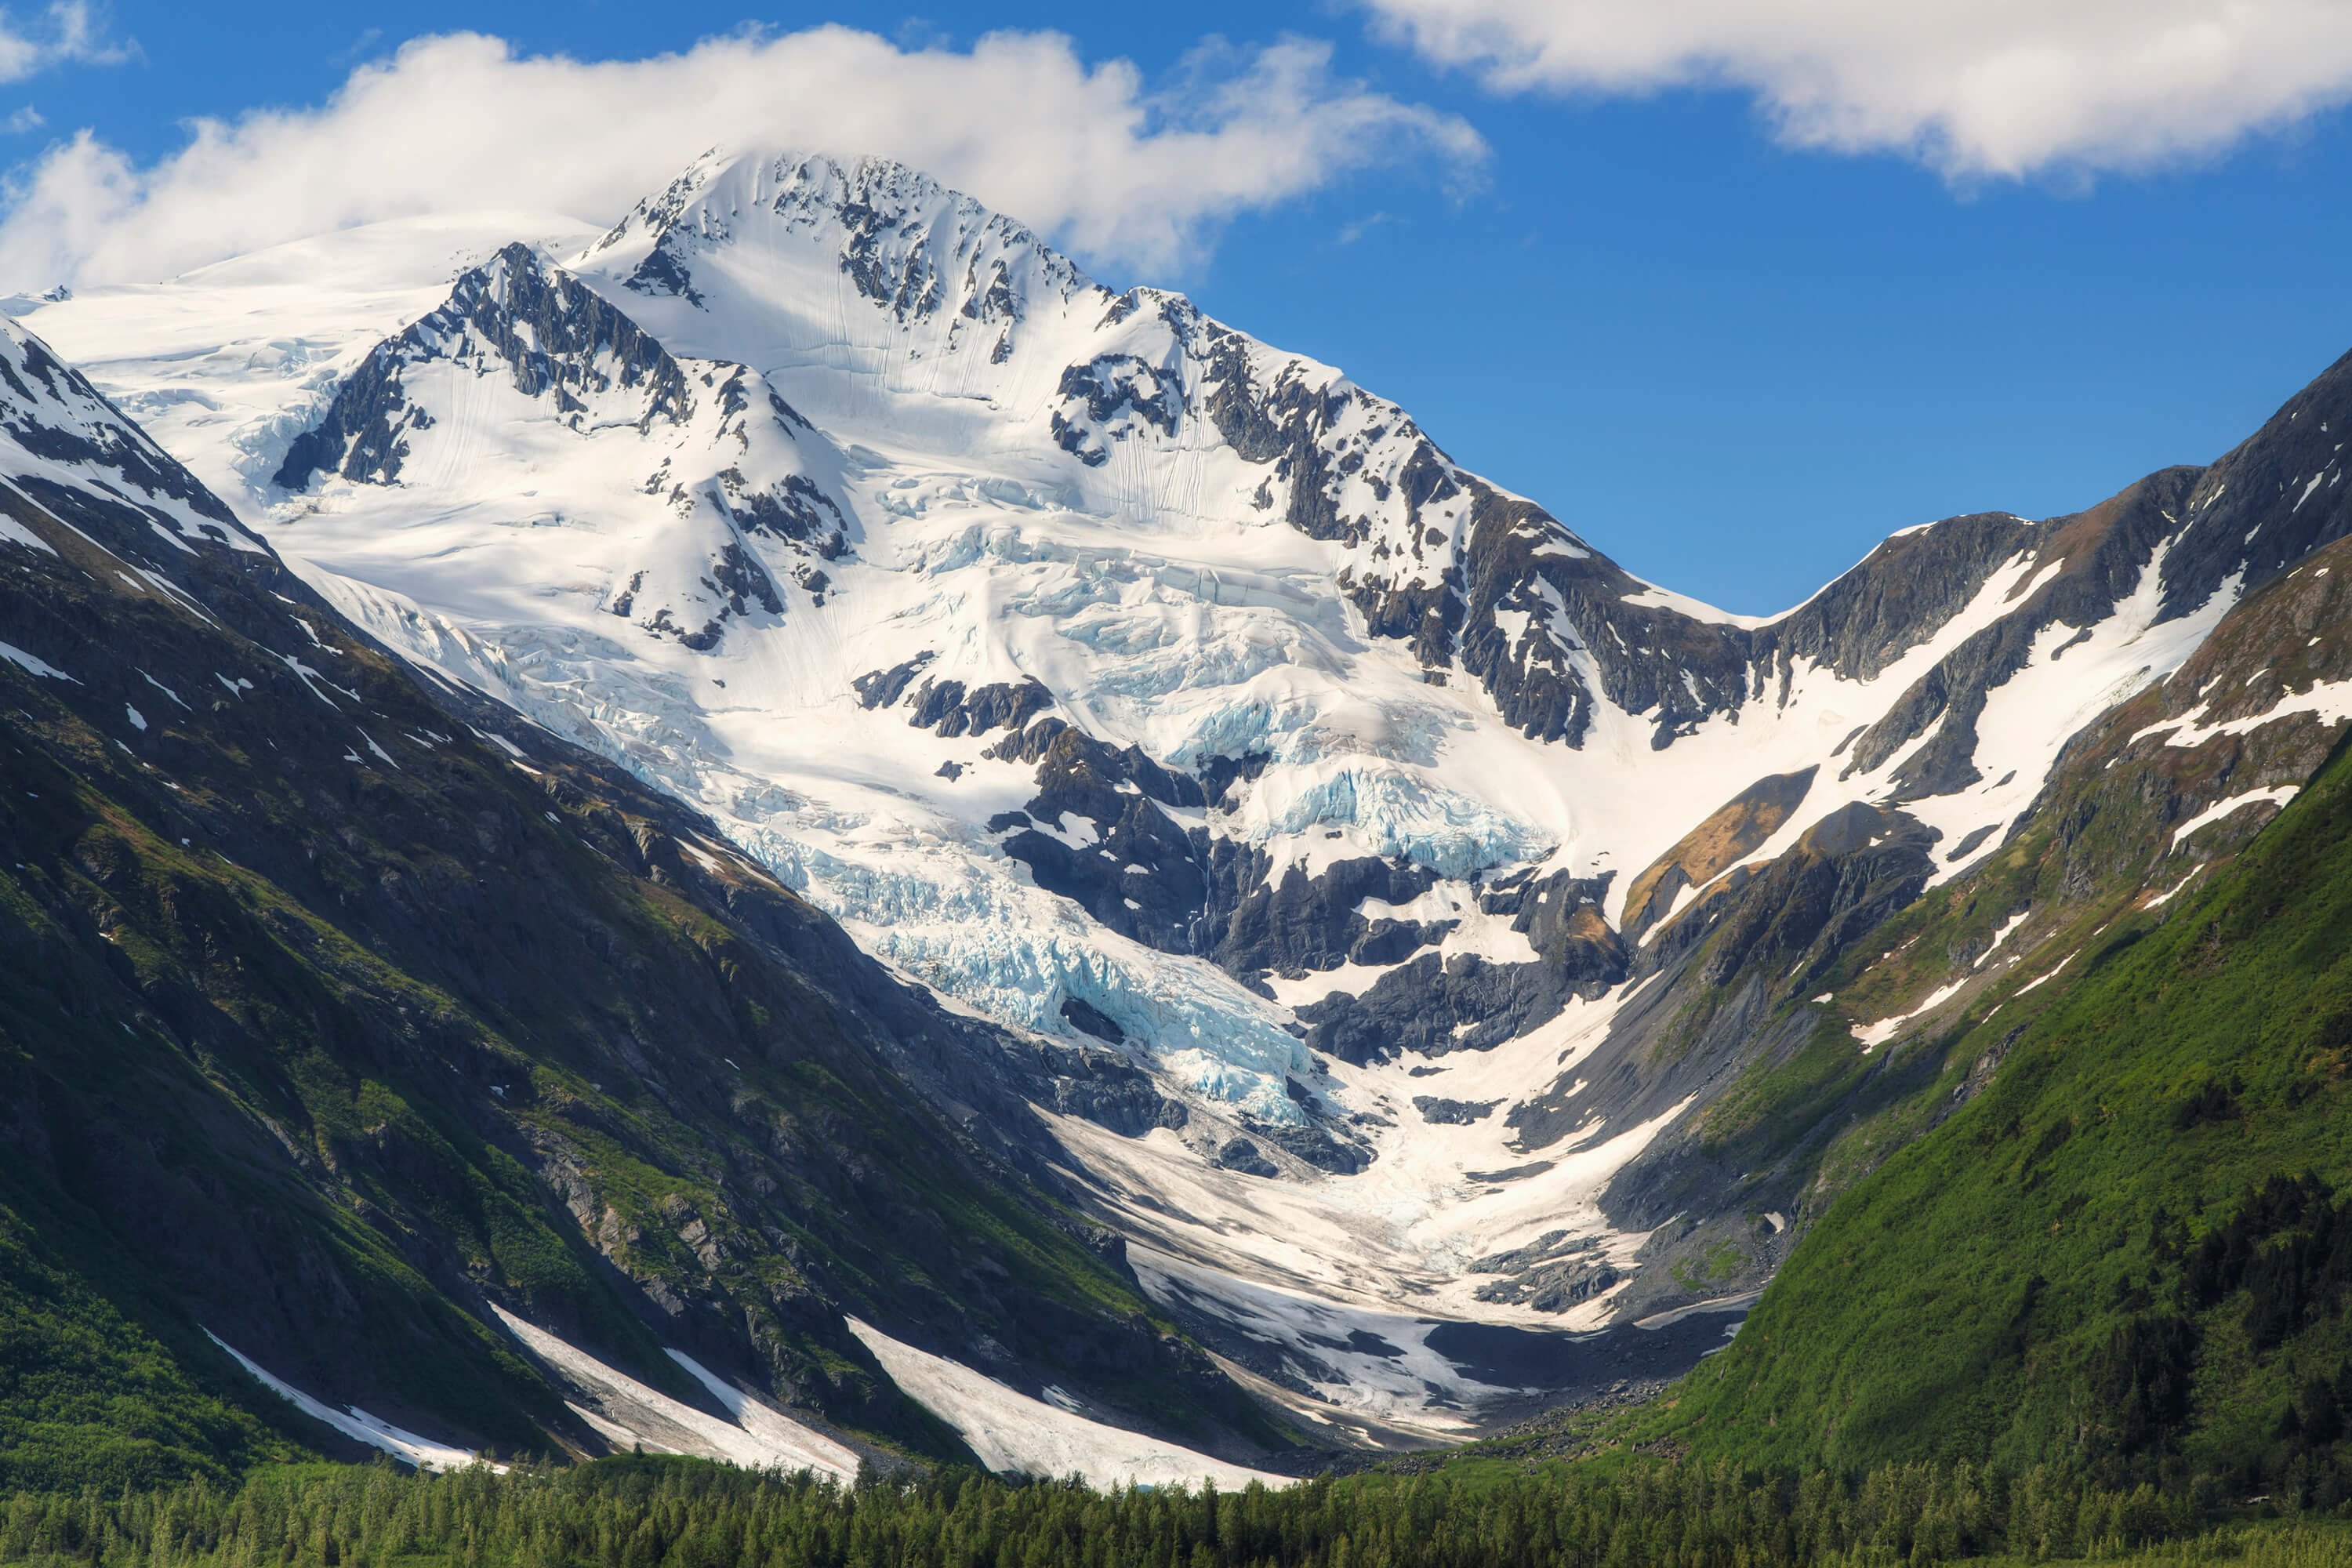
(89, 1398)
(2123, 1257)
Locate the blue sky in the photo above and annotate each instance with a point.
(1732, 363)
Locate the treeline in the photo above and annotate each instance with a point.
(646, 1512)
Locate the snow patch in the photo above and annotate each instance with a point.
(1872, 1036)
(2330, 702)
(758, 1438)
(356, 1424)
(15, 532)
(33, 665)
(2002, 935)
(816, 1451)
(2041, 978)
(2277, 795)
(1010, 1432)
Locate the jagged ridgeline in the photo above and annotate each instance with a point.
(1092, 845)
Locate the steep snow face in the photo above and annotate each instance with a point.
(61, 436)
(1119, 675)
(706, 460)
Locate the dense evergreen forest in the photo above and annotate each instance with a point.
(1471, 1513)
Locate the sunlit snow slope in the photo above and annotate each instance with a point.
(1121, 676)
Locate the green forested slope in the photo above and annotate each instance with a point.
(90, 1396)
(2100, 1259)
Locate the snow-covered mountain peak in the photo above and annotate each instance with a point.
(514, 318)
(745, 232)
(1114, 623)
(526, 401)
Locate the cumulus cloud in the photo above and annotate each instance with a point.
(1120, 171)
(1973, 88)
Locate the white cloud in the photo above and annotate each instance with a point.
(70, 32)
(1087, 154)
(1973, 88)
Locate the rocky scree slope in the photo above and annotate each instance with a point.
(341, 1012)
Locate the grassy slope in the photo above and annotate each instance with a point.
(1959, 1299)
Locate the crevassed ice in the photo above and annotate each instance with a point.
(1015, 952)
(961, 924)
(1398, 813)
